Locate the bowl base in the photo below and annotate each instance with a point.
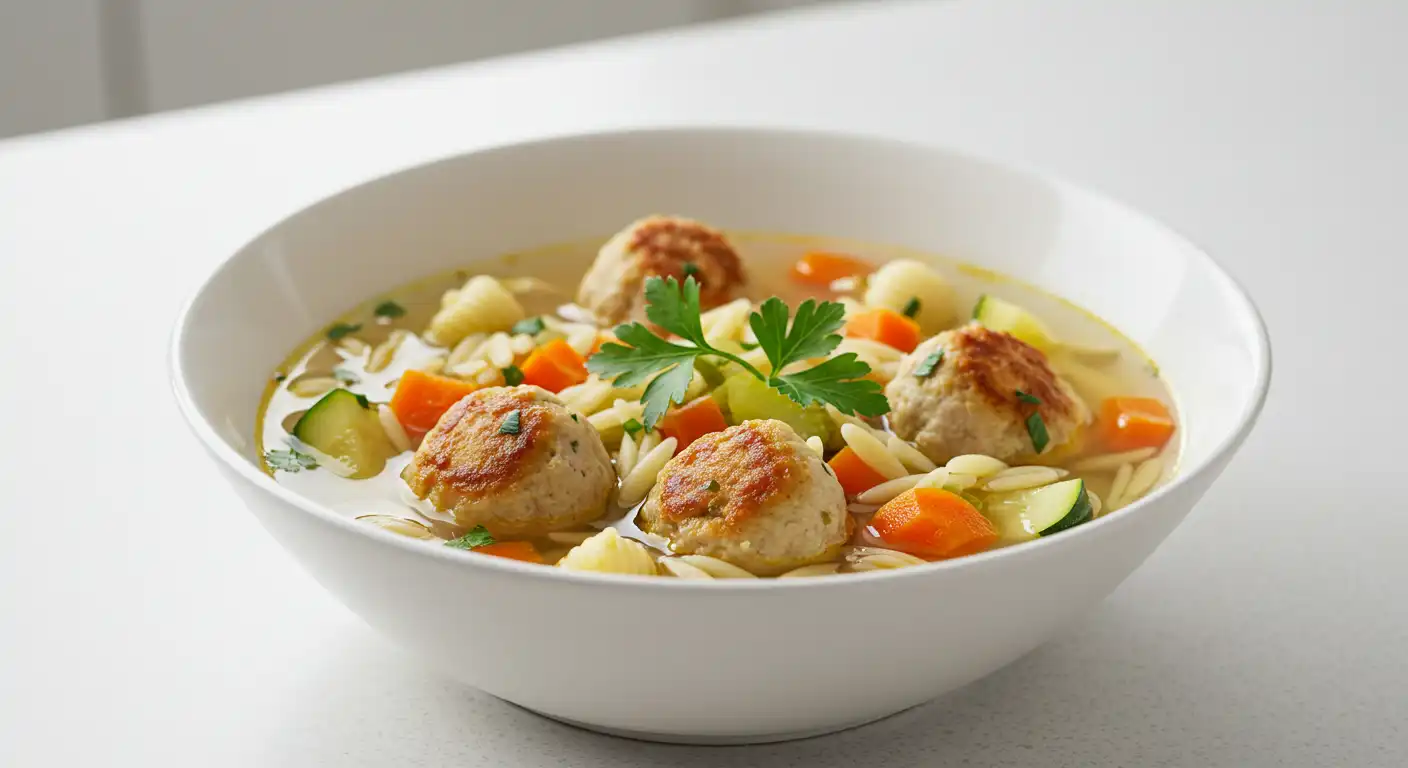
(705, 740)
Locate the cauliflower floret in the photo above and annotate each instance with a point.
(609, 552)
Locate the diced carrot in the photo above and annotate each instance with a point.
(885, 326)
(513, 550)
(693, 420)
(821, 268)
(422, 398)
(1130, 423)
(554, 366)
(933, 524)
(853, 473)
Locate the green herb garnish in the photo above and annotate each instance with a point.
(363, 401)
(712, 487)
(668, 367)
(911, 307)
(478, 536)
(513, 376)
(280, 376)
(978, 307)
(345, 376)
(574, 418)
(510, 425)
(531, 326)
(928, 365)
(632, 427)
(290, 460)
(1026, 398)
(1036, 428)
(389, 310)
(690, 269)
(339, 330)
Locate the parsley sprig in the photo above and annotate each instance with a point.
(669, 367)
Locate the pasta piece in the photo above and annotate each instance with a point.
(682, 569)
(609, 552)
(500, 350)
(582, 340)
(889, 490)
(726, 322)
(626, 457)
(1143, 479)
(588, 397)
(642, 477)
(482, 305)
(1117, 488)
(719, 569)
(898, 284)
(353, 346)
(909, 456)
(820, 569)
(313, 386)
(818, 447)
(871, 451)
(400, 525)
(392, 426)
(1021, 478)
(1106, 462)
(382, 355)
(976, 464)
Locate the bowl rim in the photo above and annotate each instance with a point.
(206, 432)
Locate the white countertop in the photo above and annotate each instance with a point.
(145, 619)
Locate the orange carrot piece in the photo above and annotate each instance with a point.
(422, 398)
(693, 420)
(885, 326)
(554, 366)
(933, 524)
(821, 268)
(513, 550)
(853, 473)
(1130, 423)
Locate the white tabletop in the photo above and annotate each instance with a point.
(145, 619)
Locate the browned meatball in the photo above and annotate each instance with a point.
(969, 404)
(552, 473)
(663, 246)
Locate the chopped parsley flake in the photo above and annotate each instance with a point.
(632, 427)
(928, 365)
(1026, 398)
(513, 376)
(1036, 428)
(290, 460)
(280, 376)
(911, 307)
(712, 487)
(690, 269)
(478, 536)
(389, 310)
(510, 425)
(531, 326)
(339, 330)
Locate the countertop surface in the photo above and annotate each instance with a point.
(146, 619)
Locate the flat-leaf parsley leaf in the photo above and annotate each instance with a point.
(478, 536)
(669, 367)
(290, 460)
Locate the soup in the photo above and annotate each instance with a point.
(684, 403)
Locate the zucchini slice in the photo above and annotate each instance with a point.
(345, 426)
(998, 315)
(1057, 507)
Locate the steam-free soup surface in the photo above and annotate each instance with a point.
(369, 352)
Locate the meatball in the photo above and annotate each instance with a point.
(754, 495)
(548, 472)
(969, 403)
(663, 246)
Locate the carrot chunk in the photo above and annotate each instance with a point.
(554, 366)
(422, 398)
(821, 268)
(853, 473)
(933, 524)
(885, 326)
(513, 550)
(693, 420)
(1130, 423)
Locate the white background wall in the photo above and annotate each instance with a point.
(67, 62)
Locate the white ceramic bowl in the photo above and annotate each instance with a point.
(726, 661)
